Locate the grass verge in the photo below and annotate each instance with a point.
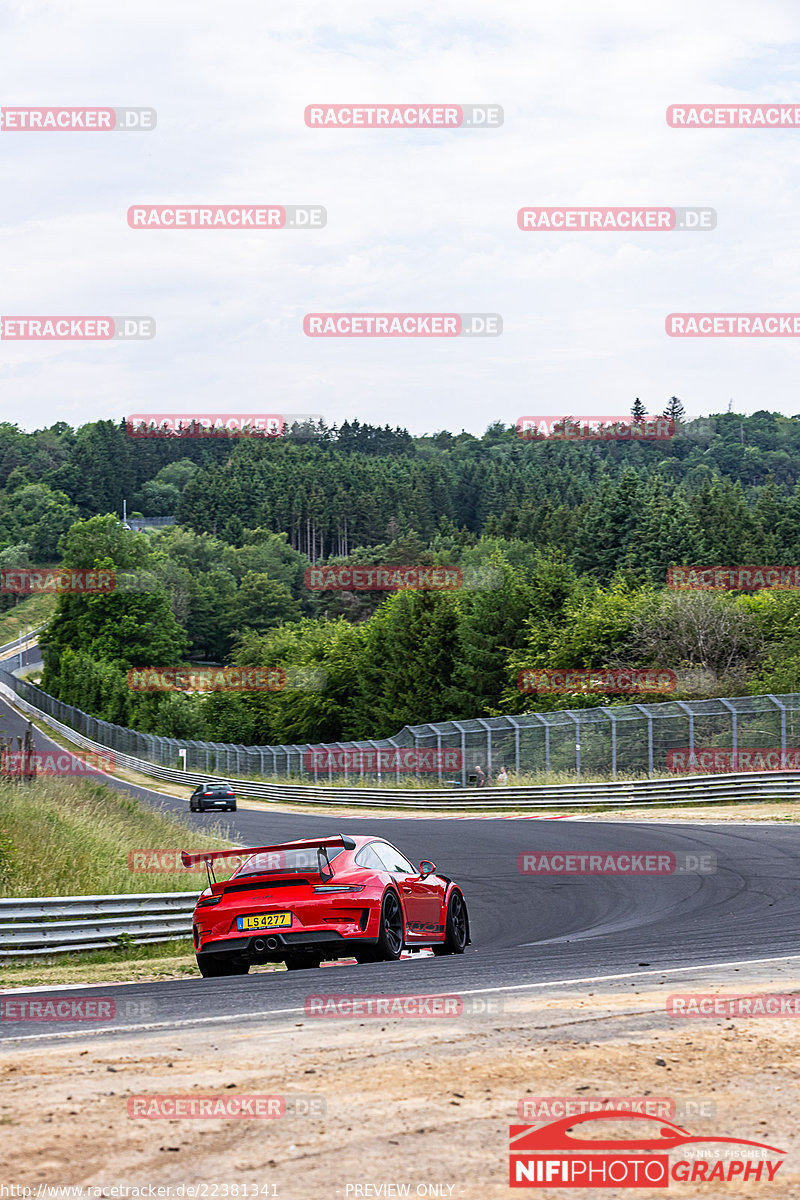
(26, 614)
(73, 837)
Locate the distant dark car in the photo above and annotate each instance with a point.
(212, 795)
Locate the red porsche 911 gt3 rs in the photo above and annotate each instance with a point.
(323, 898)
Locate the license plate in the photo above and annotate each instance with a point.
(265, 921)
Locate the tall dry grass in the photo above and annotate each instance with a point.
(62, 837)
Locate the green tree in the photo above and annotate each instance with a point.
(674, 410)
(39, 516)
(491, 623)
(262, 603)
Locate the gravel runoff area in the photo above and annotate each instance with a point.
(388, 1104)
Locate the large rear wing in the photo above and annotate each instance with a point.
(206, 856)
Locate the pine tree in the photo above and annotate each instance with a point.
(674, 410)
(638, 411)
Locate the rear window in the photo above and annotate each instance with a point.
(286, 860)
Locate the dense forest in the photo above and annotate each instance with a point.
(578, 536)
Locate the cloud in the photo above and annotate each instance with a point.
(417, 221)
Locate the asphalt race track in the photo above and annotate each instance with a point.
(525, 931)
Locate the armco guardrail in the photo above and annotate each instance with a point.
(35, 926)
(687, 789)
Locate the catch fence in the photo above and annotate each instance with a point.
(620, 740)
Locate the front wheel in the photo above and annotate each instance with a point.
(213, 965)
(456, 930)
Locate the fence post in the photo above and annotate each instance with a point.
(775, 700)
(613, 721)
(462, 731)
(393, 742)
(546, 724)
(643, 709)
(377, 750)
(734, 731)
(574, 717)
(516, 725)
(488, 729)
(682, 704)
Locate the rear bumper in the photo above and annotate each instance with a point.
(330, 941)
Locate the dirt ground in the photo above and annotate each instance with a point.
(423, 1105)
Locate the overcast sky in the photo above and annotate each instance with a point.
(417, 221)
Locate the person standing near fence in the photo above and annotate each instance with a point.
(480, 778)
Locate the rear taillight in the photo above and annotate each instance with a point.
(340, 887)
(208, 901)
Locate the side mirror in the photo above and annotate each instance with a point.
(426, 867)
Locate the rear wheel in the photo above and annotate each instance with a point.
(456, 929)
(213, 965)
(390, 939)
